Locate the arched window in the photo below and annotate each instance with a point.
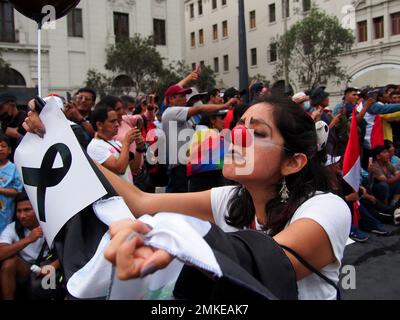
(122, 81)
(11, 78)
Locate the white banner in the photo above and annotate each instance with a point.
(56, 173)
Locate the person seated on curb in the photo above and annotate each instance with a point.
(385, 179)
(20, 245)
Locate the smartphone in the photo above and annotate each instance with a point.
(69, 97)
(139, 124)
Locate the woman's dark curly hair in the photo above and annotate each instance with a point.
(299, 133)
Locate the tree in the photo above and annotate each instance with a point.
(136, 58)
(311, 48)
(206, 79)
(98, 82)
(177, 71)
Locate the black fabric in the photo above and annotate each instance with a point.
(78, 240)
(314, 270)
(82, 135)
(254, 267)
(206, 180)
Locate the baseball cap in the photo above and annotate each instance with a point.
(175, 89)
(318, 95)
(232, 92)
(195, 95)
(300, 97)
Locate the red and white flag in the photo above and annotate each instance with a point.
(352, 163)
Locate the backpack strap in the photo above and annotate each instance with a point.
(41, 253)
(313, 269)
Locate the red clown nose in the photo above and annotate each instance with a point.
(241, 136)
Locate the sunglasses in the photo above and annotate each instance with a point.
(82, 98)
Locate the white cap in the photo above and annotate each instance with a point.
(322, 134)
(300, 97)
(194, 93)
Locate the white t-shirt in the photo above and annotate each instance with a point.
(329, 211)
(100, 150)
(30, 253)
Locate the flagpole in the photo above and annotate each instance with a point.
(39, 68)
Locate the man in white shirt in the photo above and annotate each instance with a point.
(178, 116)
(20, 245)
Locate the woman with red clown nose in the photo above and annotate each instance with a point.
(286, 197)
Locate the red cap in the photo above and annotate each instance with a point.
(175, 89)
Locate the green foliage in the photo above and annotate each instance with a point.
(311, 48)
(206, 79)
(98, 82)
(136, 58)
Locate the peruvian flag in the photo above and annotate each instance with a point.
(352, 163)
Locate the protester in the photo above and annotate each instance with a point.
(385, 179)
(11, 121)
(10, 183)
(20, 245)
(85, 100)
(179, 114)
(206, 153)
(111, 153)
(286, 195)
(128, 103)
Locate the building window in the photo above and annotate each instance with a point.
(200, 5)
(272, 13)
(378, 27)
(75, 25)
(201, 36)
(362, 31)
(121, 26)
(226, 63)
(224, 29)
(214, 4)
(191, 10)
(285, 9)
(159, 32)
(253, 19)
(215, 32)
(254, 57)
(216, 64)
(193, 39)
(306, 5)
(273, 52)
(223, 2)
(7, 29)
(395, 23)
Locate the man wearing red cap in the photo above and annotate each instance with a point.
(175, 119)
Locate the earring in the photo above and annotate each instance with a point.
(284, 192)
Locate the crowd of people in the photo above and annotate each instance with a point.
(295, 192)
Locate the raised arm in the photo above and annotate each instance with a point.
(140, 203)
